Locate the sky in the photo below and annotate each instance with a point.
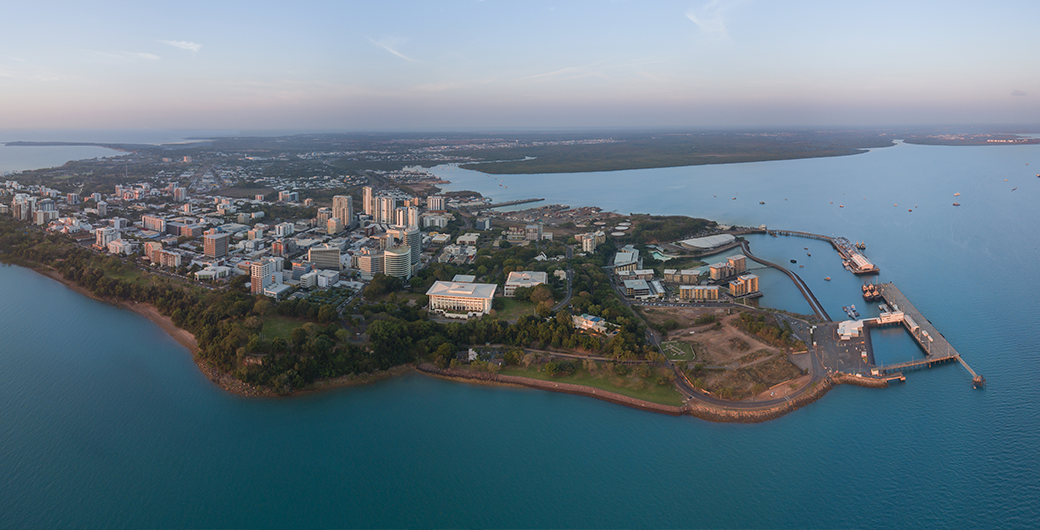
(495, 64)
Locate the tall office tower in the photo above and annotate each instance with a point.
(343, 207)
(368, 201)
(398, 262)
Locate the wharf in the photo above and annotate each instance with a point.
(935, 346)
(501, 204)
(851, 257)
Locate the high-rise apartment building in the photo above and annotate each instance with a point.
(343, 208)
(368, 201)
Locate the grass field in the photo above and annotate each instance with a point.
(515, 309)
(276, 326)
(631, 385)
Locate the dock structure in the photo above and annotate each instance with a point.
(501, 204)
(935, 346)
(851, 257)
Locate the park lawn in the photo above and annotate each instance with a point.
(633, 386)
(514, 309)
(678, 351)
(278, 326)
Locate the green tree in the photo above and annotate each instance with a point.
(299, 336)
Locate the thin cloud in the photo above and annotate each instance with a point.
(711, 18)
(193, 47)
(1017, 92)
(123, 57)
(390, 49)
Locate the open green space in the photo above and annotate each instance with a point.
(514, 309)
(280, 327)
(633, 385)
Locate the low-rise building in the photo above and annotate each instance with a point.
(468, 239)
(461, 300)
(590, 323)
(627, 260)
(638, 274)
(519, 279)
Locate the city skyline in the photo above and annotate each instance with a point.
(486, 64)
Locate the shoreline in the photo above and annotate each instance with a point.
(701, 411)
(230, 384)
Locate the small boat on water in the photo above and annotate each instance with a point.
(957, 194)
(956, 204)
(828, 278)
(761, 202)
(794, 261)
(807, 254)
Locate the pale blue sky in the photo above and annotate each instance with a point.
(497, 64)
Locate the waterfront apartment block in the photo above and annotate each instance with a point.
(731, 267)
(682, 277)
(698, 292)
(744, 285)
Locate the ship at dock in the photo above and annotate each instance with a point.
(871, 292)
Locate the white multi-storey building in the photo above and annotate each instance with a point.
(461, 299)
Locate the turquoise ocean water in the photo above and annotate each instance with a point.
(106, 422)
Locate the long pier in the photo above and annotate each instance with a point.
(853, 259)
(935, 346)
(501, 204)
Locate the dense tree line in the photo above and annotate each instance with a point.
(228, 324)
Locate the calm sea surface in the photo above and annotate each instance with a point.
(106, 422)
